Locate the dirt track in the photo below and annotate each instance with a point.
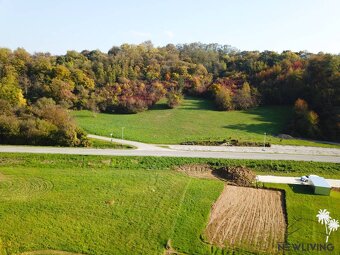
(247, 217)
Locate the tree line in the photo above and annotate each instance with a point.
(132, 78)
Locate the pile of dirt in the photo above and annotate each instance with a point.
(226, 142)
(196, 170)
(239, 175)
(205, 143)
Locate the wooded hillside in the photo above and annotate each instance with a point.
(131, 78)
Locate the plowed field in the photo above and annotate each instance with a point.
(247, 217)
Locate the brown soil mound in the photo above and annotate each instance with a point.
(196, 170)
(240, 176)
(248, 218)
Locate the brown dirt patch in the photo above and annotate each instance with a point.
(171, 251)
(237, 175)
(248, 218)
(110, 202)
(196, 170)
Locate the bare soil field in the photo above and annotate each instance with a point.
(247, 217)
(196, 170)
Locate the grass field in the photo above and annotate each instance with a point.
(123, 205)
(100, 211)
(194, 120)
(302, 208)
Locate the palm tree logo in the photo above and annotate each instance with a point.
(331, 225)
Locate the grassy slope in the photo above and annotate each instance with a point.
(73, 216)
(58, 202)
(302, 208)
(275, 167)
(196, 119)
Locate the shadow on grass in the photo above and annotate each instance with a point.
(301, 189)
(269, 128)
(198, 104)
(158, 107)
(190, 103)
(275, 119)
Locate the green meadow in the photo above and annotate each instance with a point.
(194, 120)
(131, 205)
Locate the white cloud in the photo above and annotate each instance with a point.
(169, 33)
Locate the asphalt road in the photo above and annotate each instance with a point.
(163, 152)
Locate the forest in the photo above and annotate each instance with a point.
(37, 89)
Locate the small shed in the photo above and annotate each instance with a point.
(320, 185)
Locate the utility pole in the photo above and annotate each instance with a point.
(123, 133)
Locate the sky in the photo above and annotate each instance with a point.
(56, 26)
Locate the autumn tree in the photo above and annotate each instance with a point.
(174, 98)
(223, 99)
(9, 87)
(131, 78)
(244, 98)
(305, 121)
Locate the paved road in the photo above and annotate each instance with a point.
(285, 149)
(138, 145)
(292, 180)
(281, 149)
(162, 152)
